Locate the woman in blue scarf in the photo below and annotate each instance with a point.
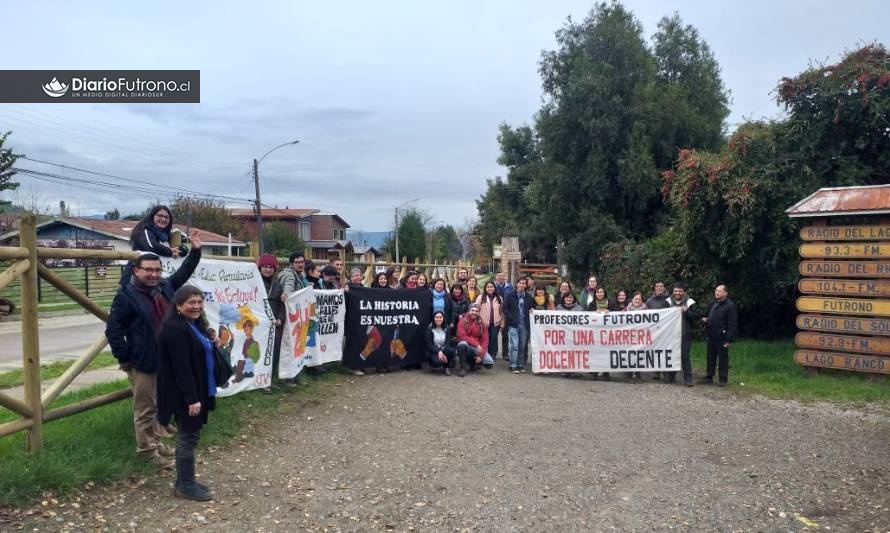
(441, 301)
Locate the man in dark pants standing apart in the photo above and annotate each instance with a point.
(136, 313)
(722, 322)
(691, 313)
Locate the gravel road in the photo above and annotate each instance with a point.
(494, 451)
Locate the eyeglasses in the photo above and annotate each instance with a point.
(162, 217)
(150, 270)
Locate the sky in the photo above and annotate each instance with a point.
(392, 101)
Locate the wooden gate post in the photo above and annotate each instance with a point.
(30, 335)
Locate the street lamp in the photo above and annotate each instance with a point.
(256, 182)
(398, 257)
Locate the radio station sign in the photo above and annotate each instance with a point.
(861, 363)
(852, 251)
(845, 233)
(847, 287)
(807, 339)
(853, 269)
(868, 326)
(844, 306)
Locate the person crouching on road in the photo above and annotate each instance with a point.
(439, 348)
(472, 342)
(186, 386)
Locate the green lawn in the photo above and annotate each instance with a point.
(13, 378)
(97, 445)
(768, 368)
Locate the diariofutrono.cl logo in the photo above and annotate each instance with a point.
(55, 88)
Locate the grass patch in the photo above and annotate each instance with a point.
(98, 445)
(768, 368)
(13, 378)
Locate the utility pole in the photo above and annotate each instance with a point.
(258, 205)
(397, 234)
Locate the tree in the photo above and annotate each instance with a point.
(113, 215)
(588, 173)
(445, 244)
(281, 240)
(7, 160)
(204, 213)
(412, 236)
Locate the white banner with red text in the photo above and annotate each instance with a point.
(635, 341)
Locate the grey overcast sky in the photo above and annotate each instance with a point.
(391, 100)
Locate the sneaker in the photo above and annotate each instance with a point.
(462, 372)
(515, 371)
(447, 371)
(356, 372)
(706, 381)
(165, 451)
(522, 370)
(192, 492)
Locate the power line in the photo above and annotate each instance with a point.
(140, 181)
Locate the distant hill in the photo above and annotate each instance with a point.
(367, 238)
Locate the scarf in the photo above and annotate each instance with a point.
(159, 304)
(438, 301)
(602, 305)
(540, 300)
(162, 235)
(471, 294)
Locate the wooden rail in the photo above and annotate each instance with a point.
(34, 408)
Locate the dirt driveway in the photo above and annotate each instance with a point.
(494, 451)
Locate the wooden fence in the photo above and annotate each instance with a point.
(34, 408)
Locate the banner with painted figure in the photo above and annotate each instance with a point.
(385, 327)
(313, 334)
(300, 333)
(330, 313)
(636, 341)
(238, 312)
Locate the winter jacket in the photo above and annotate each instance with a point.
(575, 307)
(458, 309)
(182, 377)
(723, 320)
(130, 328)
(291, 280)
(615, 306)
(505, 290)
(431, 349)
(690, 316)
(472, 332)
(658, 302)
(585, 297)
(510, 310)
(486, 313)
(154, 240)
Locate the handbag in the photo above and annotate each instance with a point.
(222, 367)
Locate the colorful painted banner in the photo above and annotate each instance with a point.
(845, 233)
(638, 341)
(330, 314)
(300, 333)
(236, 306)
(385, 327)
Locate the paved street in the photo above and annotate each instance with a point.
(63, 337)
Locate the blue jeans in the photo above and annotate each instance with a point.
(518, 347)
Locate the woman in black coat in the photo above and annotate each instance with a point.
(186, 387)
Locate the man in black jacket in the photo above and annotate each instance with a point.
(517, 308)
(136, 313)
(722, 322)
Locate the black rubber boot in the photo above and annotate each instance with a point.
(186, 486)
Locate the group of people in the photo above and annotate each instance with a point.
(157, 331)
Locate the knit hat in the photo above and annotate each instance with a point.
(267, 260)
(474, 304)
